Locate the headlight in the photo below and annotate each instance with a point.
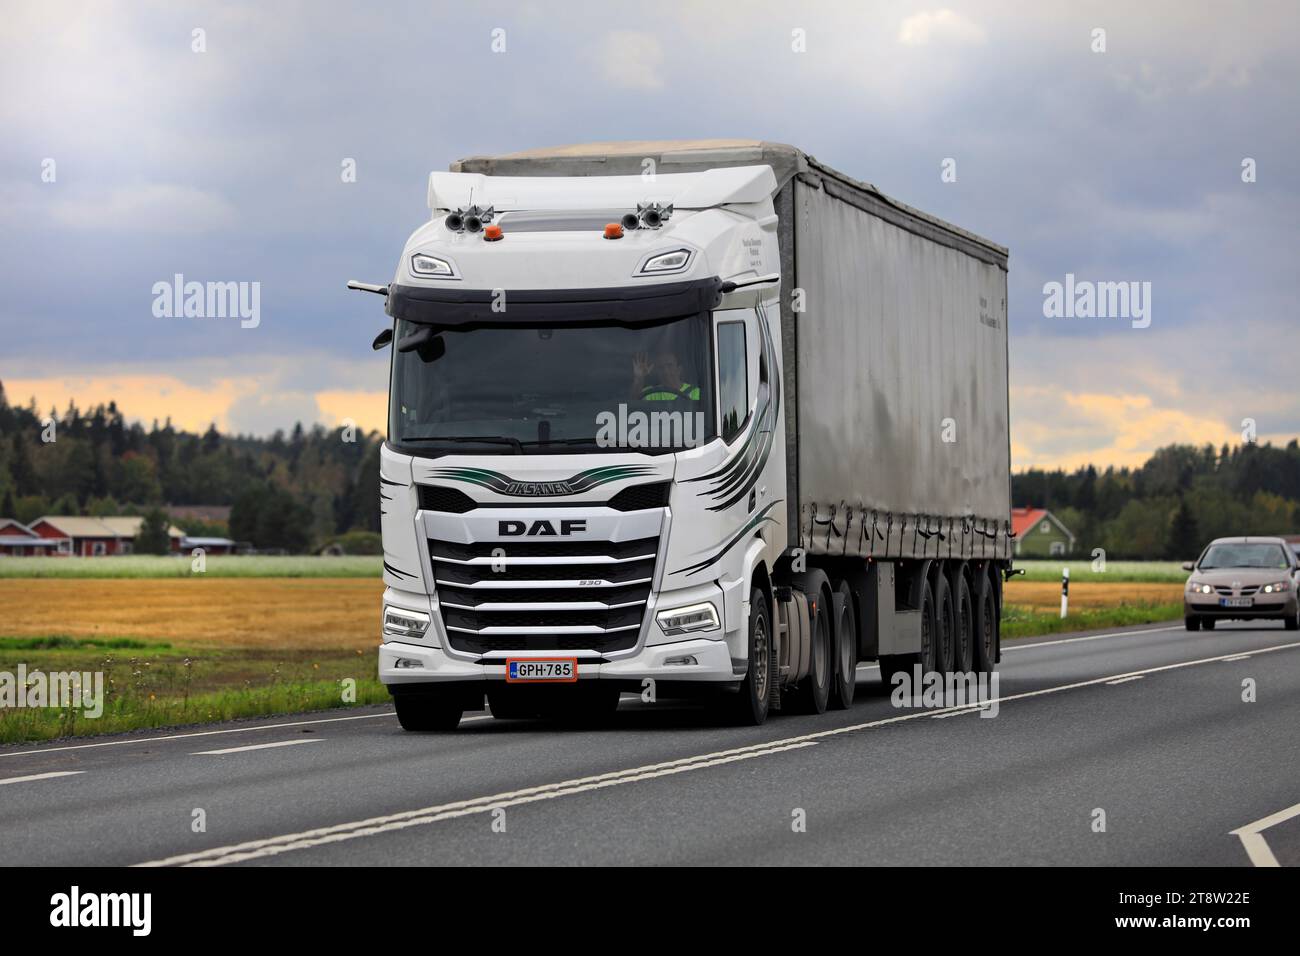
(1274, 588)
(432, 267)
(1196, 587)
(401, 622)
(666, 262)
(693, 617)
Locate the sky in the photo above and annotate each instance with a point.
(144, 140)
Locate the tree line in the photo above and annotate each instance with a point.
(1181, 498)
(292, 491)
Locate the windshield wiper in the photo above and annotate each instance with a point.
(479, 439)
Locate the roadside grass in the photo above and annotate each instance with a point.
(1019, 621)
(163, 686)
(217, 566)
(1037, 569)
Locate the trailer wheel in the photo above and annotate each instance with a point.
(813, 692)
(749, 705)
(964, 634)
(844, 682)
(426, 712)
(945, 627)
(986, 628)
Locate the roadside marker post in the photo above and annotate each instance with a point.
(1065, 590)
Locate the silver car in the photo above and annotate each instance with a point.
(1244, 579)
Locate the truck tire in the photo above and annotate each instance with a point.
(427, 712)
(749, 705)
(811, 694)
(928, 659)
(963, 642)
(945, 627)
(844, 680)
(986, 626)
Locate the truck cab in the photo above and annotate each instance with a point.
(586, 488)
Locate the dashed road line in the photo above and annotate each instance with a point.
(41, 776)
(245, 749)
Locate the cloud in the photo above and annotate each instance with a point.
(631, 60)
(146, 207)
(941, 25)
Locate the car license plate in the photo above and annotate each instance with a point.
(536, 669)
(1236, 602)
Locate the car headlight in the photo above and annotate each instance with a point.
(403, 622)
(1279, 586)
(693, 617)
(1196, 587)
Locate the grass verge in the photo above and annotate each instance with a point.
(1117, 572)
(158, 685)
(1018, 621)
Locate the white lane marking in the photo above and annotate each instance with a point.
(1124, 680)
(42, 776)
(1251, 836)
(1090, 637)
(1239, 657)
(244, 749)
(956, 713)
(271, 846)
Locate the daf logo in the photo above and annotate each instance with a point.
(509, 529)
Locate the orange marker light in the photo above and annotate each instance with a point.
(613, 231)
(492, 233)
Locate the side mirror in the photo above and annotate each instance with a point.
(1189, 566)
(382, 339)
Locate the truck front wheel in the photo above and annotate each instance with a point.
(427, 712)
(748, 706)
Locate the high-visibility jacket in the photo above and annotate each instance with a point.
(657, 393)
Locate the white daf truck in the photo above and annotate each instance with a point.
(686, 418)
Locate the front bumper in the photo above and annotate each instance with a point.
(430, 665)
(1267, 606)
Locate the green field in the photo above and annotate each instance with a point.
(218, 566)
(1116, 571)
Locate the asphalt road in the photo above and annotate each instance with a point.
(1145, 730)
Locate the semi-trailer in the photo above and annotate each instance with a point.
(686, 418)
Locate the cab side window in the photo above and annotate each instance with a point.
(733, 379)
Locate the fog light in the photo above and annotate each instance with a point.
(686, 661)
(693, 617)
(401, 622)
(403, 663)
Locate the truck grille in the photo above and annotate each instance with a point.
(543, 595)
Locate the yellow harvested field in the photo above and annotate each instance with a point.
(279, 613)
(321, 613)
(1046, 595)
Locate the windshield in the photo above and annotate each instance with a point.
(1258, 555)
(512, 389)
